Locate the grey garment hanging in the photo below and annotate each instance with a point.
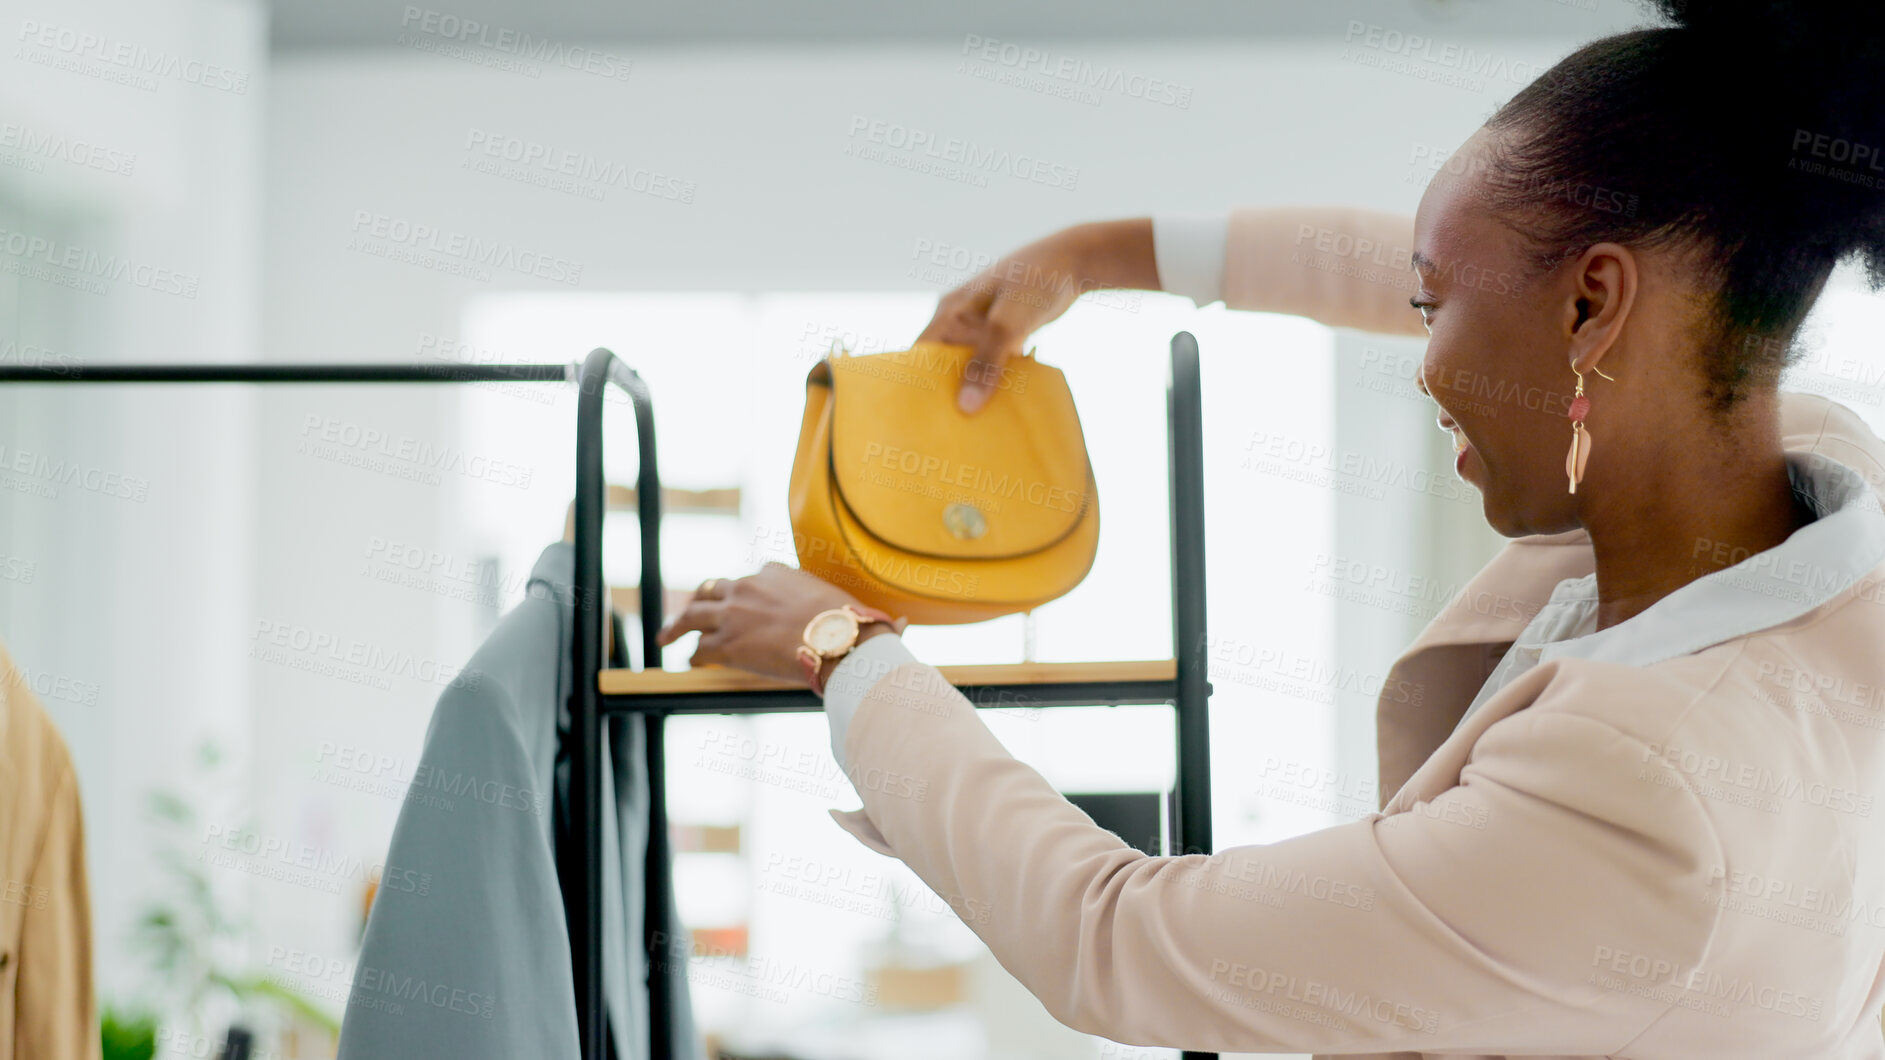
(466, 953)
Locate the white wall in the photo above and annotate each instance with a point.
(132, 615)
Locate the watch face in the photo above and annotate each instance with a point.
(831, 632)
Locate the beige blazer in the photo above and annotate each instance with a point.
(46, 1006)
(1555, 878)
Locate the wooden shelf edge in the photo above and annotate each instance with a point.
(720, 679)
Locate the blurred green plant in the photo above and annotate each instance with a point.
(188, 937)
(128, 1035)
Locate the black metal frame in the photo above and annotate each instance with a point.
(1188, 691)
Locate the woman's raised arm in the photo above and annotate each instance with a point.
(1341, 265)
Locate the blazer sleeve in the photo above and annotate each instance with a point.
(1343, 266)
(57, 1013)
(1545, 904)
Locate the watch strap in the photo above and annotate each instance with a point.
(869, 614)
(812, 662)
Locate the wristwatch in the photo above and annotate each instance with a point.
(831, 634)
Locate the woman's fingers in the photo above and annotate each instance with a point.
(701, 615)
(709, 650)
(1011, 319)
(959, 317)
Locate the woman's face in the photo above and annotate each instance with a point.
(1498, 362)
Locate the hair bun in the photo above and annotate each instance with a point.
(1828, 25)
(1802, 55)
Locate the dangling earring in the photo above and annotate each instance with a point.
(1579, 455)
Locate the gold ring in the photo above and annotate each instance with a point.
(706, 588)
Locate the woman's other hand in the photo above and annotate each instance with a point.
(756, 623)
(995, 312)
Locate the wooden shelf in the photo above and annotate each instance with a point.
(721, 679)
(673, 502)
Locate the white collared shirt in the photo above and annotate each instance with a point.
(1816, 563)
(1188, 251)
(853, 677)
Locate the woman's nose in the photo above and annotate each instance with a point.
(1421, 378)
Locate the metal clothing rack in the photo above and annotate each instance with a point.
(656, 694)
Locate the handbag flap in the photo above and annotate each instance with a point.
(919, 474)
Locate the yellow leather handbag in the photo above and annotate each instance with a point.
(928, 513)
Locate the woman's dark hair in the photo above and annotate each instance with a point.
(1750, 131)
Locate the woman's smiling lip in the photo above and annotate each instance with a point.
(1460, 445)
(1447, 425)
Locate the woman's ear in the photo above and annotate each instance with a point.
(1603, 290)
